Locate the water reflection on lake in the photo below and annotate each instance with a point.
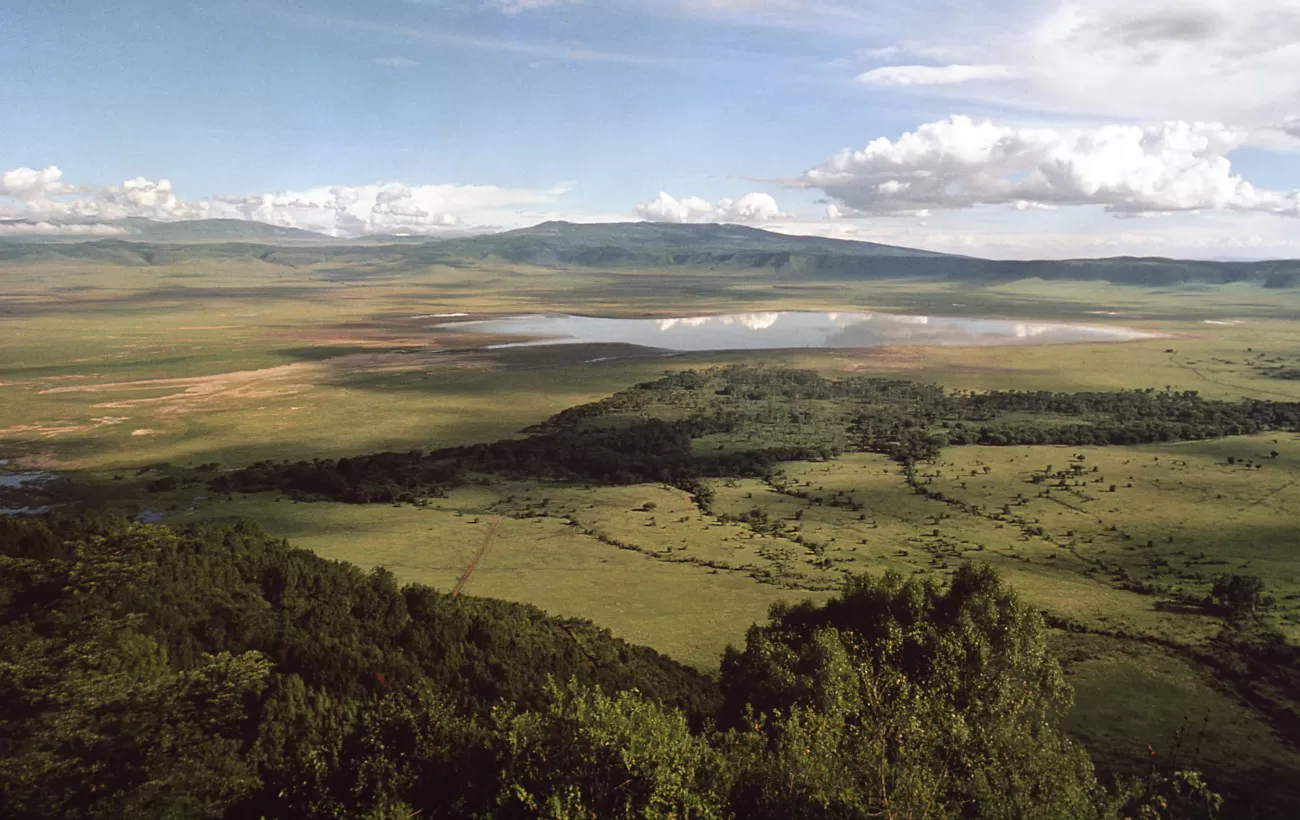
(787, 329)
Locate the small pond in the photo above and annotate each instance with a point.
(787, 329)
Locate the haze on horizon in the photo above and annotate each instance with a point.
(1010, 129)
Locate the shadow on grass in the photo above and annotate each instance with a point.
(151, 299)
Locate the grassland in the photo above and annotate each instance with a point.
(104, 370)
(104, 367)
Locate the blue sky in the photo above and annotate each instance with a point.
(1004, 128)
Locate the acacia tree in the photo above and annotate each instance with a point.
(1238, 596)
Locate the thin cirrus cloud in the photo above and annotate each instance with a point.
(517, 6)
(396, 62)
(32, 198)
(961, 163)
(908, 75)
(751, 208)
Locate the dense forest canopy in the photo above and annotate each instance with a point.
(216, 672)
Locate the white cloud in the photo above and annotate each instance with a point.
(396, 62)
(1234, 61)
(32, 185)
(41, 196)
(917, 49)
(516, 6)
(22, 228)
(960, 163)
(387, 208)
(667, 208)
(904, 75)
(985, 234)
(750, 208)
(1283, 136)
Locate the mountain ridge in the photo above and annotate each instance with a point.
(633, 245)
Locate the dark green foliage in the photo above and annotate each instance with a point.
(589, 755)
(139, 663)
(909, 697)
(1238, 596)
(148, 672)
(648, 433)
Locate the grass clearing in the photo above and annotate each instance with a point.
(1134, 701)
(687, 611)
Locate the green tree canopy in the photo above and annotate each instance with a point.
(910, 698)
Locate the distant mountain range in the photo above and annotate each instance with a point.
(619, 245)
(212, 230)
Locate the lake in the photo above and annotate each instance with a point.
(786, 329)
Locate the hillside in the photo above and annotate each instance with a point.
(640, 243)
(634, 245)
(150, 230)
(216, 672)
(213, 230)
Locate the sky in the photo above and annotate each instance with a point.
(999, 128)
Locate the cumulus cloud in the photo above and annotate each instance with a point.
(32, 185)
(386, 208)
(960, 163)
(37, 196)
(750, 208)
(903, 75)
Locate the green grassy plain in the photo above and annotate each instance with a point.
(108, 369)
(105, 367)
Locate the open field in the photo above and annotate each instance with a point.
(688, 611)
(1179, 514)
(104, 370)
(105, 367)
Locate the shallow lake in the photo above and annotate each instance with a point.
(787, 329)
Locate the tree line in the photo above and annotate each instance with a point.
(650, 433)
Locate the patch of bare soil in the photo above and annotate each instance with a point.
(61, 428)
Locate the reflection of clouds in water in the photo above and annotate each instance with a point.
(753, 321)
(790, 329)
(689, 321)
(884, 329)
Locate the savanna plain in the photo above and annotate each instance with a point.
(186, 389)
